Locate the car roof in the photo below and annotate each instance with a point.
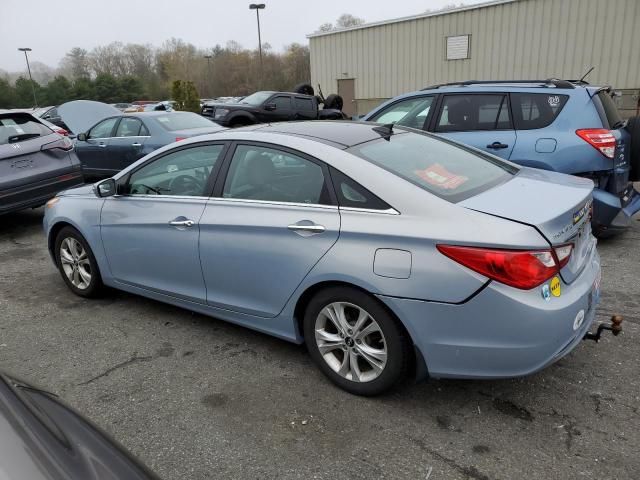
(340, 134)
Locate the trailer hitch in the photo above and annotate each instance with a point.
(615, 327)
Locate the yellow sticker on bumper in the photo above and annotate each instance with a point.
(555, 287)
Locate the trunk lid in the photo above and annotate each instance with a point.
(557, 205)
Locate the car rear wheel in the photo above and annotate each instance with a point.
(77, 264)
(355, 341)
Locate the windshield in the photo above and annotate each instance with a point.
(443, 168)
(19, 127)
(182, 121)
(257, 98)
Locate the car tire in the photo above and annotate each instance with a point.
(77, 264)
(240, 122)
(378, 345)
(333, 101)
(304, 89)
(633, 127)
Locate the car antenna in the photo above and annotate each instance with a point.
(585, 75)
(385, 130)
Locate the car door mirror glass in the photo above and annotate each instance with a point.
(106, 188)
(270, 107)
(82, 137)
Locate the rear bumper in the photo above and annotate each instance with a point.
(501, 332)
(36, 194)
(613, 213)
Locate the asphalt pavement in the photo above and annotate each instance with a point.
(197, 398)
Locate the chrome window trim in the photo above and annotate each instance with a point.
(388, 211)
(273, 202)
(160, 197)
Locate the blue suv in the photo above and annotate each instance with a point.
(566, 126)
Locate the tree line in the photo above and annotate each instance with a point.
(125, 72)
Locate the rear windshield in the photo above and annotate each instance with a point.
(20, 127)
(445, 169)
(610, 110)
(182, 121)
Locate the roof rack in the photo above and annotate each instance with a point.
(550, 82)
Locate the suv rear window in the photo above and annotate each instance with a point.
(611, 113)
(461, 112)
(20, 127)
(445, 169)
(536, 110)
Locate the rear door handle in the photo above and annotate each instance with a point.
(182, 223)
(497, 145)
(136, 144)
(102, 145)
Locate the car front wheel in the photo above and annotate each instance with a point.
(355, 341)
(76, 263)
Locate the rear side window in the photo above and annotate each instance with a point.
(536, 110)
(445, 169)
(611, 113)
(461, 113)
(305, 104)
(282, 103)
(18, 128)
(352, 194)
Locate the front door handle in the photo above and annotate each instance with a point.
(497, 145)
(102, 145)
(136, 144)
(182, 223)
(306, 228)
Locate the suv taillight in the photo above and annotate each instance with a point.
(63, 143)
(599, 138)
(523, 269)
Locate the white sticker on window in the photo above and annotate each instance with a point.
(554, 100)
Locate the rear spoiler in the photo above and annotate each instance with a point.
(594, 92)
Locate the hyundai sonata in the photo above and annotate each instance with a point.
(385, 250)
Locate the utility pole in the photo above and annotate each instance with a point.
(257, 7)
(33, 87)
(208, 57)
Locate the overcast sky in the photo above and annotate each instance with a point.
(52, 28)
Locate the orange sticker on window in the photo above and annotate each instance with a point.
(441, 177)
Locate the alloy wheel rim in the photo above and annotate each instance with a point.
(351, 342)
(75, 263)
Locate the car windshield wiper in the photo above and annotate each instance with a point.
(24, 136)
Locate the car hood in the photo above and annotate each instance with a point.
(80, 115)
(555, 204)
(43, 439)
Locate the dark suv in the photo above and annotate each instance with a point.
(566, 126)
(35, 162)
(267, 107)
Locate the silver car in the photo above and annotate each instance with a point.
(385, 250)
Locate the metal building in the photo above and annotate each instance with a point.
(497, 40)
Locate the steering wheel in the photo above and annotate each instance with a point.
(186, 185)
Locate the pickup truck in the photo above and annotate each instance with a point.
(266, 107)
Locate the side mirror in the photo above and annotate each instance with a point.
(270, 107)
(105, 188)
(82, 137)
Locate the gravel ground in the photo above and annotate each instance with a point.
(196, 398)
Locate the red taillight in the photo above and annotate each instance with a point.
(63, 143)
(599, 138)
(563, 254)
(62, 131)
(180, 138)
(523, 269)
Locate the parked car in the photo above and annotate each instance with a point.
(264, 107)
(382, 248)
(50, 114)
(116, 142)
(35, 162)
(43, 439)
(121, 106)
(568, 127)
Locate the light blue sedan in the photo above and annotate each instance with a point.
(385, 250)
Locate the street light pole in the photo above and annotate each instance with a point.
(257, 7)
(208, 57)
(33, 88)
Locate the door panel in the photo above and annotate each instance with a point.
(482, 121)
(169, 263)
(251, 260)
(347, 90)
(123, 151)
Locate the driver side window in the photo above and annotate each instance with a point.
(411, 112)
(185, 172)
(103, 129)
